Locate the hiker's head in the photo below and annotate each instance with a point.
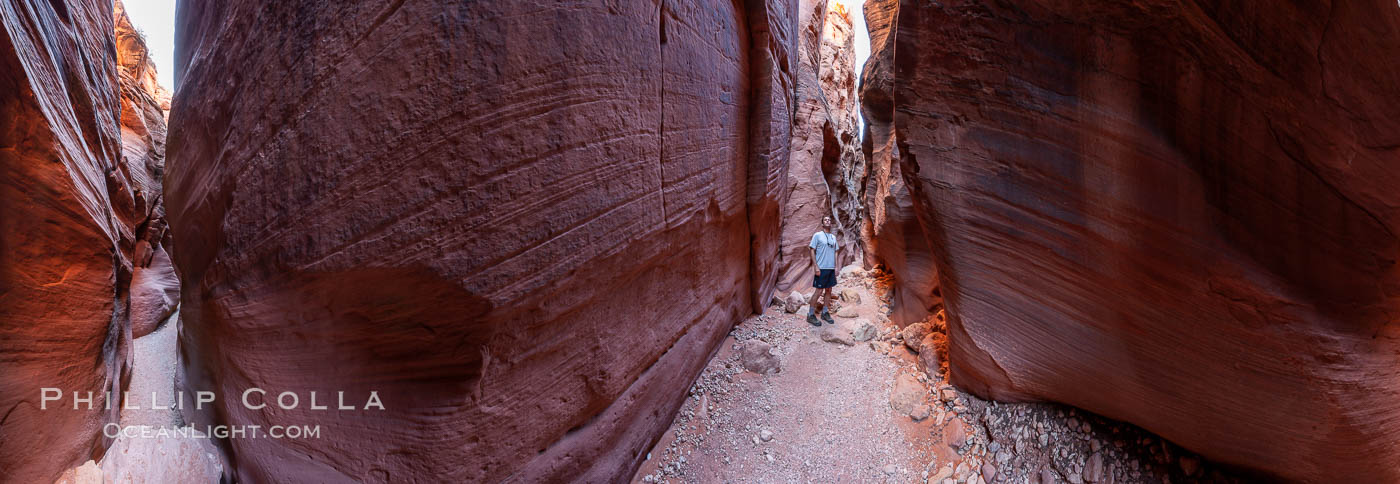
(826, 222)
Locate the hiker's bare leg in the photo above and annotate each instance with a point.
(826, 299)
(815, 301)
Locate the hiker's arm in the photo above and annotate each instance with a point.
(815, 267)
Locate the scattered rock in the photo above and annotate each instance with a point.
(847, 312)
(849, 296)
(906, 394)
(989, 472)
(1045, 476)
(851, 271)
(920, 412)
(863, 330)
(758, 357)
(943, 473)
(955, 435)
(794, 302)
(947, 394)
(803, 310)
(914, 334)
(928, 356)
(765, 435)
(1093, 470)
(890, 469)
(837, 334)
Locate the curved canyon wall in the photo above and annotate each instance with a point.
(891, 229)
(525, 225)
(826, 175)
(155, 289)
(81, 149)
(1180, 214)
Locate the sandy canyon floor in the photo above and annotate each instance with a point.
(838, 409)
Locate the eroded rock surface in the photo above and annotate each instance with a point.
(826, 174)
(526, 225)
(68, 232)
(1178, 214)
(155, 289)
(892, 230)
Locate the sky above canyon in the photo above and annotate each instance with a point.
(156, 20)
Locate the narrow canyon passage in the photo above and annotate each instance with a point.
(159, 453)
(541, 241)
(855, 401)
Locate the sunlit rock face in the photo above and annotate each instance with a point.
(1178, 214)
(68, 231)
(526, 225)
(827, 172)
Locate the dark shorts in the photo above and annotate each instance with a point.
(826, 279)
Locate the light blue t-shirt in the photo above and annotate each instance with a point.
(825, 244)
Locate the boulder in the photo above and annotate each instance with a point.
(914, 335)
(862, 330)
(906, 394)
(955, 433)
(931, 350)
(1176, 200)
(1094, 469)
(848, 312)
(849, 296)
(920, 412)
(485, 207)
(837, 333)
(758, 357)
(795, 301)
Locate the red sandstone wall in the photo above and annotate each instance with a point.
(892, 229)
(826, 174)
(67, 234)
(1181, 214)
(525, 224)
(155, 289)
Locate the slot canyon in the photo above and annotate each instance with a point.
(541, 241)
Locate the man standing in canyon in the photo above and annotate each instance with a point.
(824, 260)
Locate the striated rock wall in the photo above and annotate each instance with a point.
(155, 289)
(1180, 214)
(827, 170)
(772, 84)
(891, 229)
(526, 225)
(847, 177)
(73, 219)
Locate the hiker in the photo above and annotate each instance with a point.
(824, 260)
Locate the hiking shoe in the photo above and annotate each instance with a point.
(812, 319)
(827, 316)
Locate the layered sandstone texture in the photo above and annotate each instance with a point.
(1180, 214)
(155, 290)
(891, 229)
(525, 225)
(826, 174)
(73, 208)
